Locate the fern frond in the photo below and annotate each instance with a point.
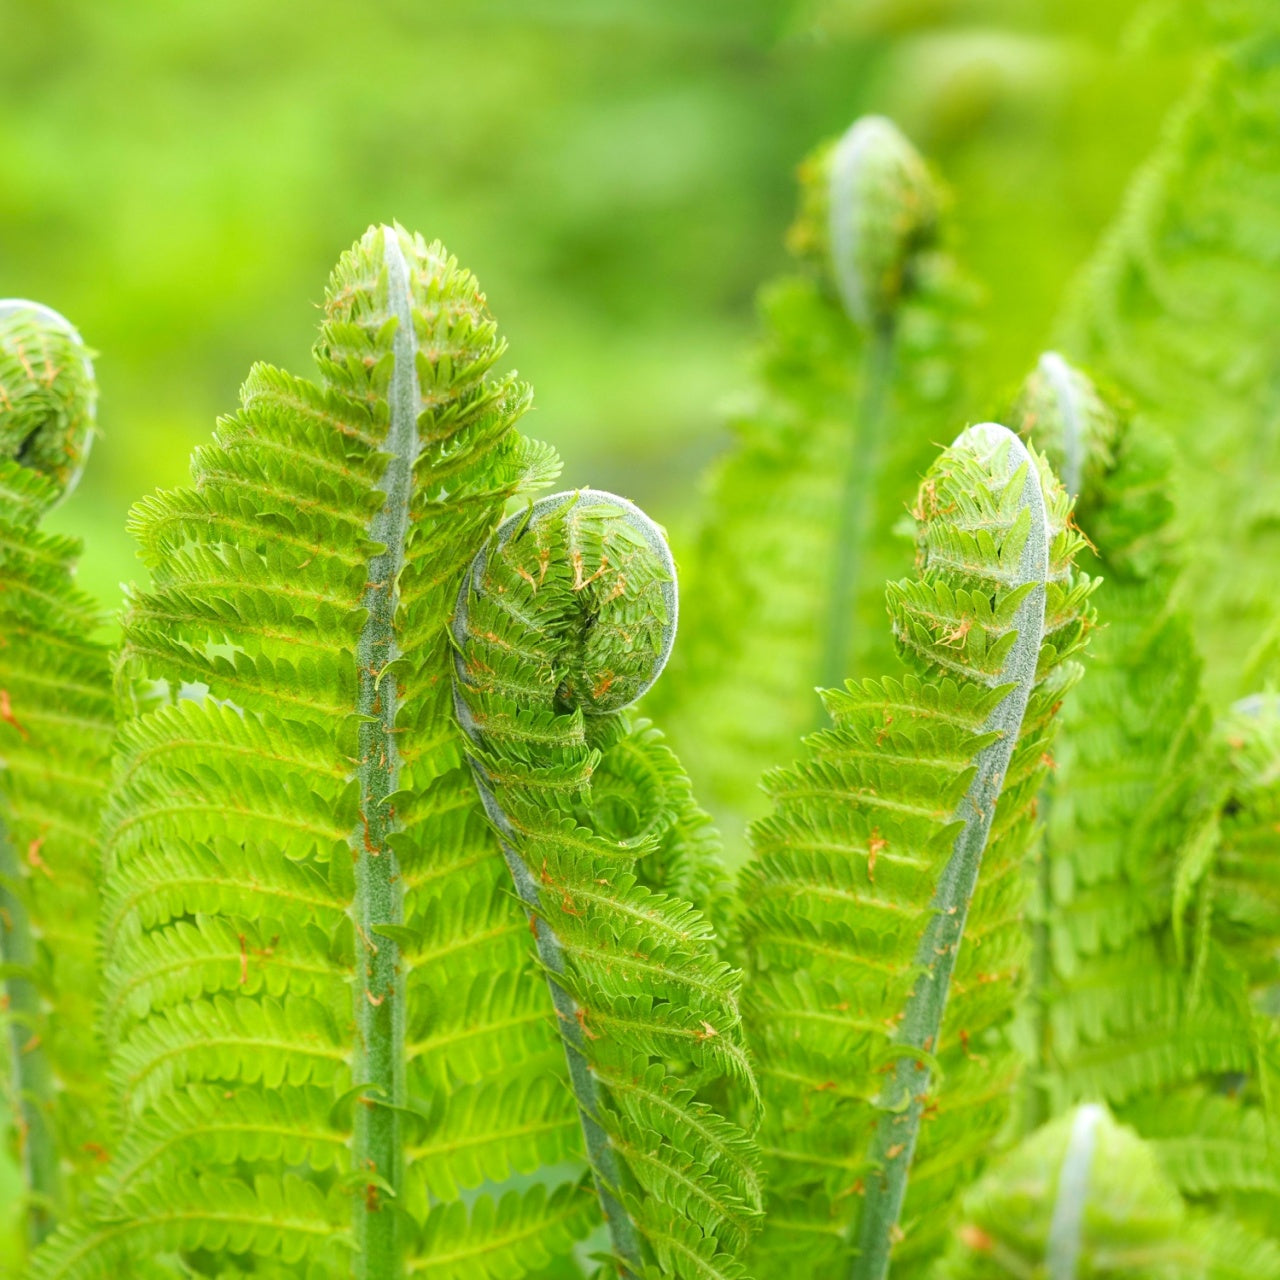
(55, 736)
(566, 618)
(1245, 874)
(1132, 789)
(305, 912)
(873, 1026)
(860, 375)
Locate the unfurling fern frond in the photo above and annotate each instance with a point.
(879, 1036)
(332, 1048)
(1181, 308)
(55, 737)
(566, 618)
(1128, 796)
(860, 376)
(1085, 1196)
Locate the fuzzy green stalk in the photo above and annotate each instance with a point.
(379, 897)
(903, 1098)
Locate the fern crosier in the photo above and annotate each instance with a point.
(860, 374)
(55, 735)
(871, 1024)
(566, 618)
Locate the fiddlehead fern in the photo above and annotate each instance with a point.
(331, 1044)
(1128, 794)
(55, 731)
(860, 374)
(866, 878)
(565, 619)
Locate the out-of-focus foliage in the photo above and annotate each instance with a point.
(178, 176)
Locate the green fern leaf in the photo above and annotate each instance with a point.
(566, 619)
(1128, 799)
(872, 1026)
(1179, 308)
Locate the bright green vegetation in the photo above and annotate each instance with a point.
(367, 927)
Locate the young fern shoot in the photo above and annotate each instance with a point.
(860, 374)
(55, 736)
(879, 1037)
(564, 620)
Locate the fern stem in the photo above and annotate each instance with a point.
(903, 1098)
(379, 897)
(31, 1077)
(857, 492)
(600, 1152)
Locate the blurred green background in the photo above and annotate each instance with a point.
(178, 178)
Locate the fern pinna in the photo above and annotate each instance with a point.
(879, 1038)
(567, 618)
(860, 376)
(55, 737)
(331, 1046)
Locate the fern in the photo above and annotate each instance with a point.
(1141, 825)
(1179, 309)
(565, 619)
(1126, 797)
(331, 1047)
(860, 376)
(866, 879)
(55, 731)
(1085, 1196)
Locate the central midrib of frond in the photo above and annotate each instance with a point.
(379, 897)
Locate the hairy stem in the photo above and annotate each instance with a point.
(903, 1098)
(31, 1077)
(600, 1153)
(379, 898)
(862, 466)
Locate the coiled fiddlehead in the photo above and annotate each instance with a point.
(565, 618)
(55, 728)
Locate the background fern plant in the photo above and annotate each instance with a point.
(55, 734)
(862, 372)
(902, 832)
